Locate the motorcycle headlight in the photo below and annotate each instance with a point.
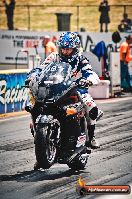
(43, 92)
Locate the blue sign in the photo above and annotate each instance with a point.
(13, 96)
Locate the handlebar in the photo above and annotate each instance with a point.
(85, 83)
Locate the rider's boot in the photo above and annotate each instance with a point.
(92, 142)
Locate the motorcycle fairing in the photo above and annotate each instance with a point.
(53, 82)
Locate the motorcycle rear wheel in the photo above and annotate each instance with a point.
(45, 150)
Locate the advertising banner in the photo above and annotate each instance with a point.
(12, 43)
(13, 96)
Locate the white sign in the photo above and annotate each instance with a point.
(16, 44)
(12, 44)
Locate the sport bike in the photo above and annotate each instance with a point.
(59, 118)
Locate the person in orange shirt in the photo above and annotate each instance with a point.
(48, 45)
(125, 58)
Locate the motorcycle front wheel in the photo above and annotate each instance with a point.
(45, 149)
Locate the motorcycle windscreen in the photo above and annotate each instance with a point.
(54, 80)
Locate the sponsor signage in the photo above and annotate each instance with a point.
(15, 44)
(13, 96)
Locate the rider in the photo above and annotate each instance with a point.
(69, 45)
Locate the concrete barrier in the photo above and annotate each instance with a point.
(100, 91)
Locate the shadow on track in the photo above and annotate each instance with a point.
(40, 175)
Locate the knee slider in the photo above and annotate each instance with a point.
(93, 113)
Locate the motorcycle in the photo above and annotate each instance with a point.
(59, 128)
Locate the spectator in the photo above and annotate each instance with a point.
(125, 58)
(54, 40)
(9, 9)
(104, 8)
(126, 24)
(48, 45)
